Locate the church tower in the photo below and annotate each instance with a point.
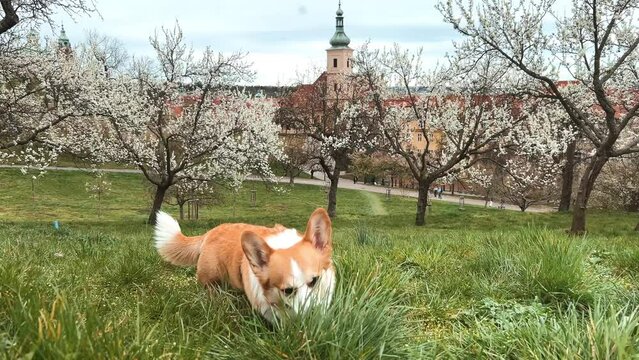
(339, 56)
(64, 45)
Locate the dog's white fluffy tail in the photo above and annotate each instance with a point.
(172, 245)
(166, 229)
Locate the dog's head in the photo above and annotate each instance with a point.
(293, 272)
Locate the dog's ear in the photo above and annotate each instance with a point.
(319, 231)
(256, 250)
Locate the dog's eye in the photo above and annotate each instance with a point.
(313, 281)
(288, 291)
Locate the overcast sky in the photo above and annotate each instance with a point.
(282, 37)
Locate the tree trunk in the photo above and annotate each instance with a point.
(567, 178)
(583, 194)
(637, 227)
(181, 210)
(291, 178)
(633, 206)
(160, 191)
(332, 195)
(422, 202)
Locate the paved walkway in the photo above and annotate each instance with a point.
(343, 184)
(468, 200)
(348, 184)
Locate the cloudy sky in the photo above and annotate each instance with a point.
(283, 37)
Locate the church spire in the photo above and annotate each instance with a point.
(339, 39)
(64, 45)
(63, 40)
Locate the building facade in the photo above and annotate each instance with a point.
(336, 85)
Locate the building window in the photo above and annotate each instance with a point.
(348, 62)
(419, 137)
(334, 62)
(335, 86)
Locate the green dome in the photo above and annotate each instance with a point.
(339, 39)
(63, 40)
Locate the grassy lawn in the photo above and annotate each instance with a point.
(474, 283)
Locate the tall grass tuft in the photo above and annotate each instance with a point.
(365, 235)
(511, 330)
(553, 266)
(365, 321)
(627, 260)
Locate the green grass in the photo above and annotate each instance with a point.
(377, 208)
(473, 284)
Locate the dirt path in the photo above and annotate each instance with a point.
(377, 207)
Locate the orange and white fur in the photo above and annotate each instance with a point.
(279, 269)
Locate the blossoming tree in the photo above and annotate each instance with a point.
(39, 91)
(298, 156)
(327, 114)
(529, 180)
(98, 187)
(460, 120)
(15, 15)
(174, 119)
(618, 186)
(596, 43)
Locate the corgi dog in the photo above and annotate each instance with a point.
(280, 270)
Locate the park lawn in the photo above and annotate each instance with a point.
(474, 283)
